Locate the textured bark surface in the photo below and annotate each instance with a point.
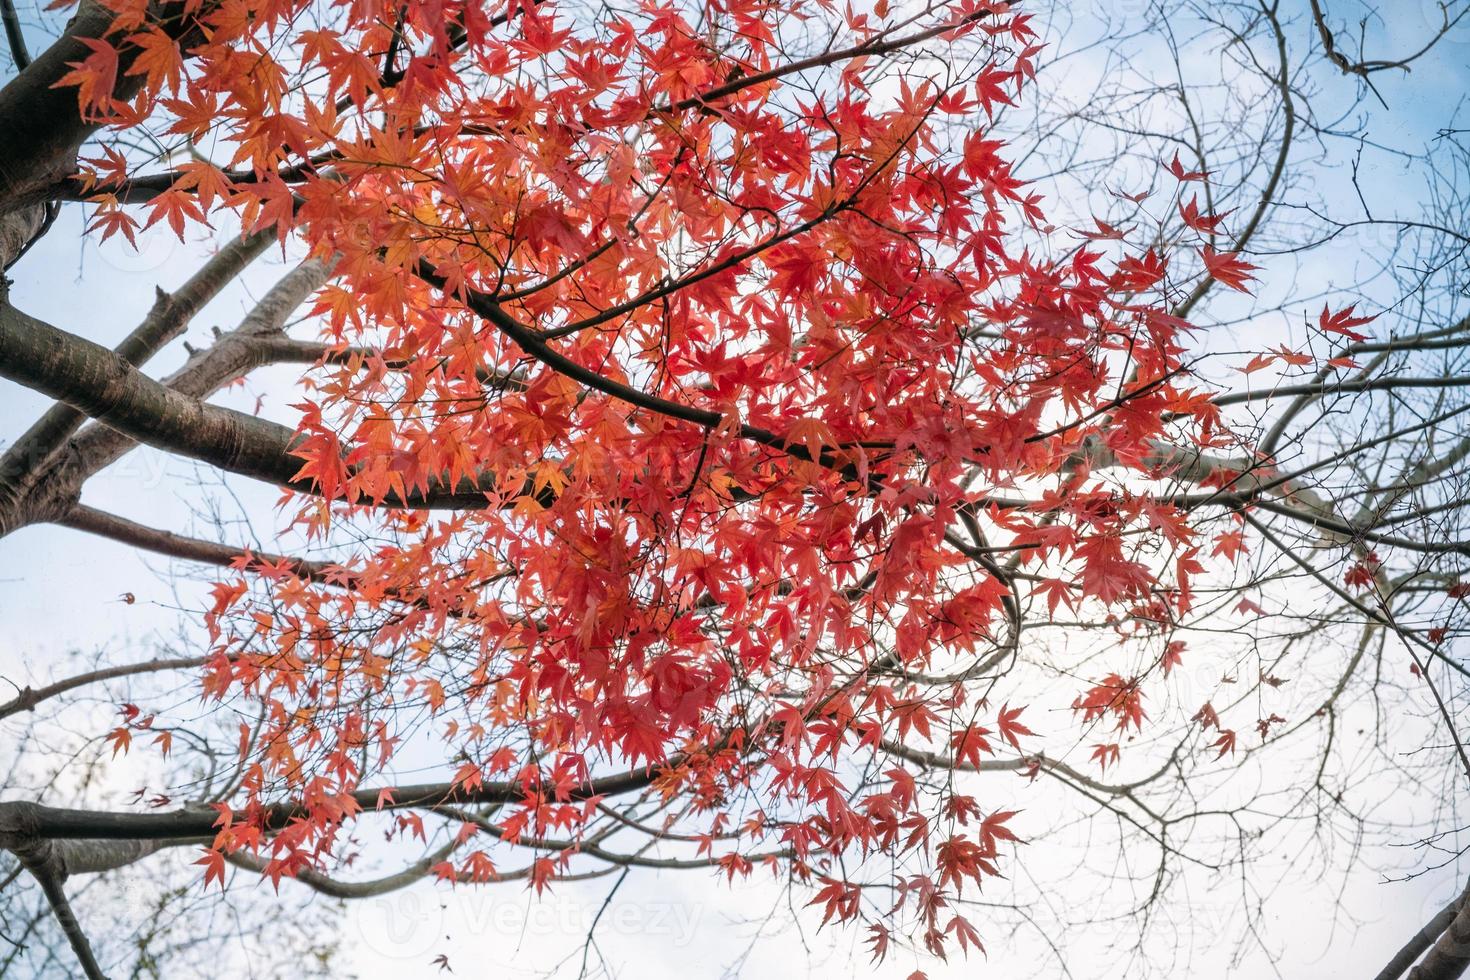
(23, 823)
(1449, 957)
(17, 228)
(169, 415)
(1421, 941)
(41, 473)
(232, 356)
(100, 383)
(20, 827)
(43, 124)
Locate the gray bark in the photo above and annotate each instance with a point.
(103, 385)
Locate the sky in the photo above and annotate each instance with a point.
(62, 592)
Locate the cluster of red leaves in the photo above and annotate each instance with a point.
(745, 351)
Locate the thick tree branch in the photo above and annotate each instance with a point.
(70, 926)
(40, 822)
(101, 384)
(43, 123)
(1421, 940)
(170, 314)
(1449, 957)
(54, 487)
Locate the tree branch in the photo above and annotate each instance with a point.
(170, 314)
(70, 927)
(1449, 957)
(326, 885)
(14, 37)
(124, 531)
(43, 123)
(1421, 940)
(41, 822)
(30, 697)
(104, 386)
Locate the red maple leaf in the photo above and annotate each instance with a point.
(1342, 322)
(1177, 169)
(1228, 268)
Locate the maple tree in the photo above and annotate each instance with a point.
(700, 411)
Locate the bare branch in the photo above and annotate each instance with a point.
(30, 697)
(98, 382)
(326, 885)
(170, 314)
